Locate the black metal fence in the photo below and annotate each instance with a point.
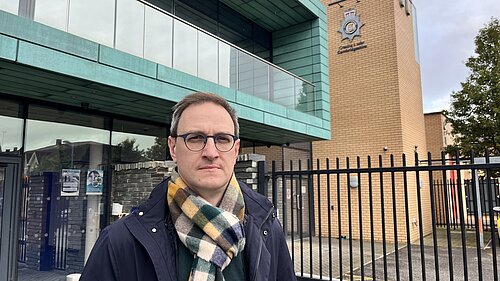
(385, 219)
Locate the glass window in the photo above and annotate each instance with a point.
(93, 19)
(139, 152)
(185, 48)
(3, 172)
(284, 88)
(11, 6)
(53, 13)
(200, 13)
(11, 128)
(66, 181)
(228, 64)
(304, 94)
(253, 76)
(130, 27)
(158, 37)
(134, 142)
(207, 57)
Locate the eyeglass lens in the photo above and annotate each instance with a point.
(196, 142)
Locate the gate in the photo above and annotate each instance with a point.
(383, 219)
(44, 213)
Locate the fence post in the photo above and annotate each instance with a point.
(261, 178)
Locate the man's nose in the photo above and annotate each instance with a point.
(210, 151)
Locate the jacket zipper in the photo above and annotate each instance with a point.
(261, 244)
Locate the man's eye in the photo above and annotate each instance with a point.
(224, 139)
(195, 138)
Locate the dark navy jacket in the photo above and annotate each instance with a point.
(142, 246)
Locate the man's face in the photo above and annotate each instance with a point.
(208, 169)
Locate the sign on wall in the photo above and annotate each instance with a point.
(95, 179)
(70, 182)
(350, 27)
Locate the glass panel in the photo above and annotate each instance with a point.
(304, 93)
(185, 50)
(228, 57)
(66, 179)
(3, 172)
(253, 76)
(93, 19)
(52, 12)
(11, 6)
(207, 57)
(130, 27)
(11, 128)
(135, 148)
(283, 86)
(135, 142)
(200, 13)
(158, 37)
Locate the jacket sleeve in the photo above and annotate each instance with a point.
(101, 264)
(285, 264)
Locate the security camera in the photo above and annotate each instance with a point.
(385, 148)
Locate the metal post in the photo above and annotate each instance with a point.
(261, 178)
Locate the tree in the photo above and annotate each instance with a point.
(475, 109)
(158, 151)
(127, 151)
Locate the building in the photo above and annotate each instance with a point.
(86, 86)
(437, 133)
(376, 98)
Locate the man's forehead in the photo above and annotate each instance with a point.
(208, 115)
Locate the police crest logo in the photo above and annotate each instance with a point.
(350, 26)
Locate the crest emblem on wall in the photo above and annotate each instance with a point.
(350, 26)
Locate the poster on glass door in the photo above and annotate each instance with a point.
(70, 182)
(95, 182)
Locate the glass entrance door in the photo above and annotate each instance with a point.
(9, 185)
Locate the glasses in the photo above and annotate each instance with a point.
(197, 142)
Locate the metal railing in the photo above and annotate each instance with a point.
(139, 28)
(387, 220)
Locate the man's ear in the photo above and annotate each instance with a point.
(236, 149)
(171, 147)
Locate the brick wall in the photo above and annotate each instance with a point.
(376, 102)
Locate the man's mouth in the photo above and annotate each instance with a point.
(209, 167)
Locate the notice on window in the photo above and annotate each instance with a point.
(95, 179)
(70, 182)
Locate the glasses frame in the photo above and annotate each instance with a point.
(206, 137)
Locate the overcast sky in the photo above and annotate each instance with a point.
(446, 38)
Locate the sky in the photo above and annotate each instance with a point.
(446, 31)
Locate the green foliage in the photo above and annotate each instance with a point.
(475, 109)
(127, 152)
(158, 151)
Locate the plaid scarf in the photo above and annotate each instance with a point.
(213, 234)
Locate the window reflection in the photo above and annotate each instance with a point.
(158, 37)
(65, 176)
(138, 153)
(253, 76)
(11, 128)
(52, 12)
(207, 57)
(134, 142)
(130, 26)
(11, 6)
(283, 86)
(93, 19)
(185, 48)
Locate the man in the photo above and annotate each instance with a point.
(200, 223)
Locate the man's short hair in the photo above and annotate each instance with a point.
(199, 98)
